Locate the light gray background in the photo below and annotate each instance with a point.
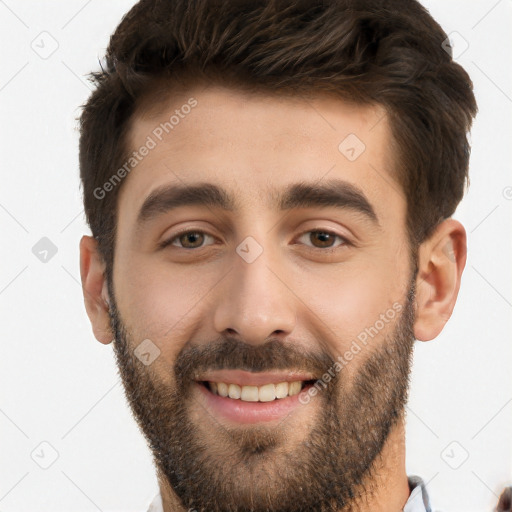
(59, 385)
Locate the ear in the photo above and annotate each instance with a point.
(441, 260)
(94, 286)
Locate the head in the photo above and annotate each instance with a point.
(269, 187)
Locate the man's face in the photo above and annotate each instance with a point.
(281, 293)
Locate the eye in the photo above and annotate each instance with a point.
(322, 239)
(187, 240)
(194, 239)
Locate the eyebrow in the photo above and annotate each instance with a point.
(330, 193)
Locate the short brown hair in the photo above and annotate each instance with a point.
(391, 53)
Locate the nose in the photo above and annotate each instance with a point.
(255, 301)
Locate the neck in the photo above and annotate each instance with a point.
(387, 491)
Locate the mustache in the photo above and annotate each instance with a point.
(233, 354)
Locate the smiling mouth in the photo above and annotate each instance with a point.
(264, 393)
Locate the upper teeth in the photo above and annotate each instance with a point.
(265, 393)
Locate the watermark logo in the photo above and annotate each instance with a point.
(455, 455)
(249, 249)
(355, 348)
(146, 352)
(44, 45)
(44, 250)
(352, 147)
(151, 142)
(455, 45)
(44, 455)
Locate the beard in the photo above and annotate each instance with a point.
(213, 468)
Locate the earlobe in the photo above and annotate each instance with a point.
(92, 273)
(441, 260)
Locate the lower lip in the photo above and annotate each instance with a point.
(239, 411)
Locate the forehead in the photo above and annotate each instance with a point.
(255, 145)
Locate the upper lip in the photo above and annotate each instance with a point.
(244, 378)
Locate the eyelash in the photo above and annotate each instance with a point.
(324, 250)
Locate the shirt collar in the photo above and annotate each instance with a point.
(418, 499)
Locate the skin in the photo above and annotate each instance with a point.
(293, 292)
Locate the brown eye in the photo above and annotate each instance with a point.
(191, 239)
(188, 240)
(323, 239)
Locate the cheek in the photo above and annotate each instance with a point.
(162, 305)
(357, 304)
